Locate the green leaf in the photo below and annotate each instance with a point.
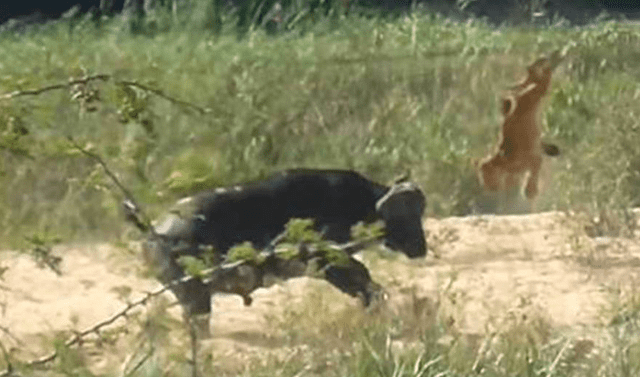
(243, 252)
(192, 266)
(301, 230)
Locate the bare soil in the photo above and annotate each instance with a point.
(479, 272)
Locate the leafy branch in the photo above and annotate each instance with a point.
(161, 94)
(133, 211)
(34, 92)
(276, 259)
(79, 337)
(216, 283)
(104, 77)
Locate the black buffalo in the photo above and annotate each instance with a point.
(258, 211)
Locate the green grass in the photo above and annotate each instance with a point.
(380, 96)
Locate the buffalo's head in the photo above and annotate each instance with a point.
(402, 208)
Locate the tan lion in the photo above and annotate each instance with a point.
(520, 148)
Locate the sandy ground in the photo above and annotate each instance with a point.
(479, 267)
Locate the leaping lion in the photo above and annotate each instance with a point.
(520, 147)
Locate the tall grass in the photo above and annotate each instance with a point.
(383, 96)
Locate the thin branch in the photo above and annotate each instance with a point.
(136, 214)
(348, 248)
(95, 329)
(104, 77)
(123, 313)
(134, 211)
(356, 246)
(35, 92)
(108, 171)
(161, 94)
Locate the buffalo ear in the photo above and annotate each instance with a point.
(406, 177)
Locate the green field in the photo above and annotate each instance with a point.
(381, 95)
